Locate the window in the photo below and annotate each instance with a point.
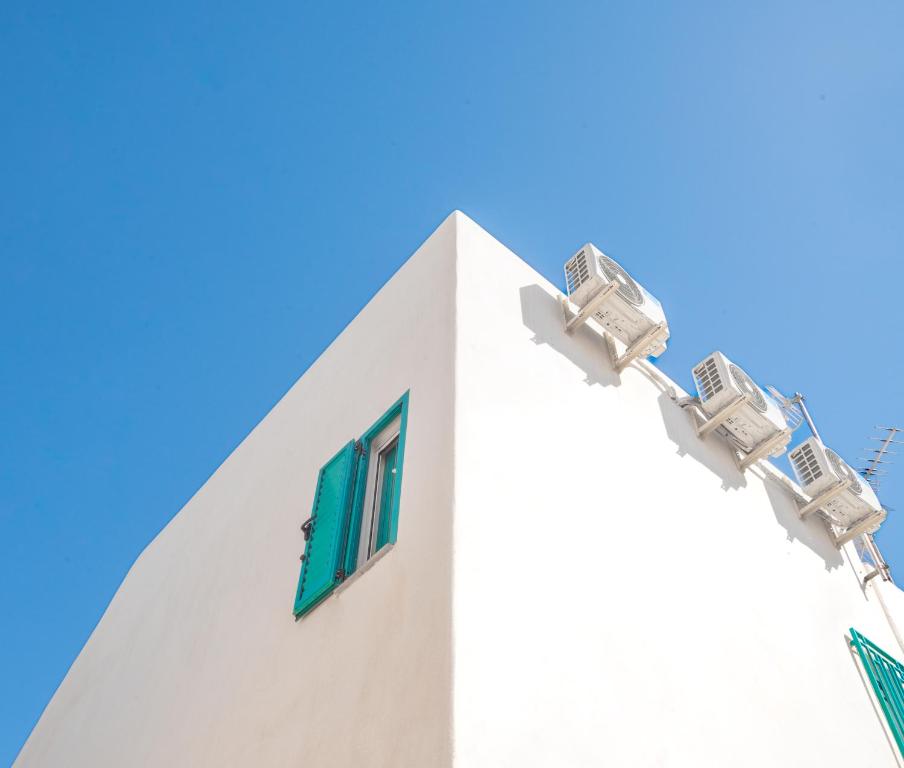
(356, 507)
(379, 490)
(886, 675)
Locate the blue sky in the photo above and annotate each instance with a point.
(196, 199)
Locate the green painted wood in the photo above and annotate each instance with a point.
(391, 523)
(354, 530)
(323, 552)
(400, 462)
(886, 675)
(387, 493)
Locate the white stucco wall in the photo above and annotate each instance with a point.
(623, 596)
(198, 660)
(578, 580)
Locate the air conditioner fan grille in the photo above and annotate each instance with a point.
(746, 385)
(844, 471)
(627, 288)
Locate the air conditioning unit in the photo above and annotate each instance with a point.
(819, 469)
(751, 421)
(629, 313)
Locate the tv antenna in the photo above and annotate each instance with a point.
(794, 409)
(875, 470)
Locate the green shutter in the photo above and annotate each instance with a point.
(359, 481)
(320, 570)
(886, 674)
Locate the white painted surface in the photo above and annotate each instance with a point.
(623, 596)
(620, 595)
(198, 661)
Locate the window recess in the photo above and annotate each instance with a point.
(356, 507)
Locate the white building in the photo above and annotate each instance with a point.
(570, 576)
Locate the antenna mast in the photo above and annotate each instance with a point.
(872, 471)
(873, 475)
(799, 400)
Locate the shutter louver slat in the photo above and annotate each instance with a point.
(324, 549)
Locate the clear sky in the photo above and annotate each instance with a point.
(196, 197)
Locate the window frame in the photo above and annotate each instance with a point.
(372, 509)
(365, 447)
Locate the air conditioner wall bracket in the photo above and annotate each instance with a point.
(823, 498)
(858, 528)
(720, 417)
(635, 350)
(620, 362)
(573, 321)
(765, 448)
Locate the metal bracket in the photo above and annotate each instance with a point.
(862, 526)
(636, 349)
(765, 448)
(573, 321)
(307, 528)
(720, 417)
(871, 575)
(878, 559)
(825, 496)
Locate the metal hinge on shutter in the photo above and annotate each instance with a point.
(307, 528)
(359, 448)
